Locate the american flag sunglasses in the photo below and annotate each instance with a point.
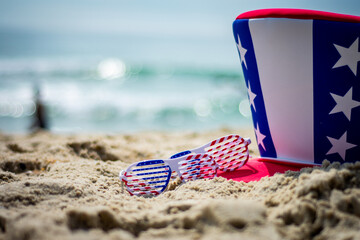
(151, 177)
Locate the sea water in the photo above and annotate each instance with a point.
(121, 82)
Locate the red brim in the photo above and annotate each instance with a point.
(256, 168)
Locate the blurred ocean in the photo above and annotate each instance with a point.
(107, 84)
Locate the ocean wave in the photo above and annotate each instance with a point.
(87, 70)
(110, 94)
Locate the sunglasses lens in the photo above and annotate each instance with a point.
(148, 177)
(230, 155)
(197, 169)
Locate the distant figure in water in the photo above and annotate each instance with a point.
(40, 121)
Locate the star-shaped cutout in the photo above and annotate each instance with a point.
(242, 52)
(344, 104)
(252, 97)
(340, 146)
(259, 136)
(349, 56)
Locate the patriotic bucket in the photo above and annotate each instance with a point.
(302, 73)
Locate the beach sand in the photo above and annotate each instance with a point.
(67, 187)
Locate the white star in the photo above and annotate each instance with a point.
(340, 146)
(252, 97)
(349, 56)
(242, 52)
(344, 104)
(259, 136)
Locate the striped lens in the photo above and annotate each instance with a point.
(230, 155)
(149, 177)
(193, 168)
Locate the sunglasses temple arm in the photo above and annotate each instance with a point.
(247, 140)
(121, 176)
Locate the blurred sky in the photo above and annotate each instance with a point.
(144, 16)
(201, 27)
(176, 17)
(156, 30)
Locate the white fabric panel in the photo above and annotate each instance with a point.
(284, 55)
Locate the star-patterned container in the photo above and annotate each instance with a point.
(302, 73)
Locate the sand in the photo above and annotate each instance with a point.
(67, 187)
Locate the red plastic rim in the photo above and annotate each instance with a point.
(256, 168)
(298, 14)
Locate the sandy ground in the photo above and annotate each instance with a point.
(67, 187)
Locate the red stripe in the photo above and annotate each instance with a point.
(233, 160)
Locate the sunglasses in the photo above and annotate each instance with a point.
(151, 177)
